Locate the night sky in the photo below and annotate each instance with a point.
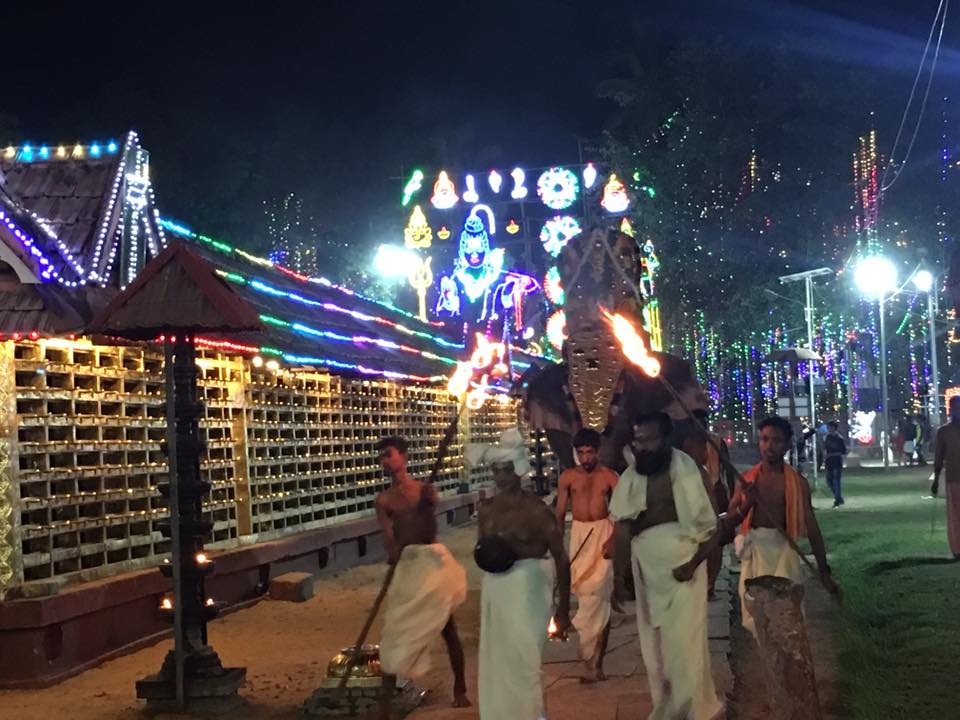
(334, 100)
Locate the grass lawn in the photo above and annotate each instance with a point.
(899, 642)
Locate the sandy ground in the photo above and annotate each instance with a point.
(286, 646)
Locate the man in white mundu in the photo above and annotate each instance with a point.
(516, 531)
(666, 528)
(587, 488)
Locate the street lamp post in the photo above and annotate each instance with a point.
(876, 276)
(925, 282)
(807, 278)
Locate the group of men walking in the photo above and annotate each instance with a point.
(661, 524)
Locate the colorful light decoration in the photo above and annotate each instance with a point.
(557, 329)
(948, 394)
(443, 233)
(519, 189)
(412, 187)
(477, 266)
(512, 227)
(626, 228)
(421, 278)
(557, 232)
(615, 199)
(589, 176)
(228, 249)
(470, 194)
(862, 427)
(511, 292)
(417, 234)
(558, 188)
(28, 153)
(496, 181)
(552, 287)
(448, 300)
(444, 193)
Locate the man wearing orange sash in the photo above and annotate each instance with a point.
(784, 503)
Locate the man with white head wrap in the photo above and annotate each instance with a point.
(516, 531)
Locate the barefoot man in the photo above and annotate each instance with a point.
(516, 531)
(428, 584)
(587, 488)
(784, 497)
(666, 528)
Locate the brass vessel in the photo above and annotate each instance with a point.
(363, 664)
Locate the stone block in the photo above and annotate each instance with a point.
(292, 587)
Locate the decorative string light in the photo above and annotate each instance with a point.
(444, 193)
(558, 188)
(557, 232)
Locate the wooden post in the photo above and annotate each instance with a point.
(776, 605)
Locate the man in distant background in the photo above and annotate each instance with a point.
(836, 449)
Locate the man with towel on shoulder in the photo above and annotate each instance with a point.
(666, 528)
(516, 531)
(587, 489)
(428, 583)
(785, 506)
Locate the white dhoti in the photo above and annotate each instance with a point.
(591, 580)
(672, 625)
(428, 585)
(514, 613)
(765, 551)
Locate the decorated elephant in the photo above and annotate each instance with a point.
(595, 386)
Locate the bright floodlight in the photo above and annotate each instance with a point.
(875, 276)
(923, 281)
(394, 262)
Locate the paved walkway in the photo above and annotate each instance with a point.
(626, 695)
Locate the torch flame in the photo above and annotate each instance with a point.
(486, 361)
(552, 628)
(166, 604)
(632, 344)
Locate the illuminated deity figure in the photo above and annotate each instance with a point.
(477, 266)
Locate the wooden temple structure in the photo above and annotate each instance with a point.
(290, 415)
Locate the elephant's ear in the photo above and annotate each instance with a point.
(547, 388)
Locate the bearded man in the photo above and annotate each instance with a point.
(666, 528)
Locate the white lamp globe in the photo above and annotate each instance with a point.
(875, 276)
(923, 281)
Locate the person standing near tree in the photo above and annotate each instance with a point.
(836, 449)
(587, 489)
(947, 456)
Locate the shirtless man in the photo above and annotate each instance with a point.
(515, 533)
(784, 498)
(587, 488)
(666, 528)
(428, 583)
